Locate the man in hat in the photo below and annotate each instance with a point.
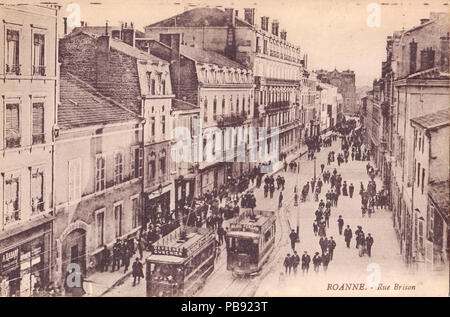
(137, 271)
(348, 236)
(288, 264)
(340, 222)
(369, 243)
(293, 237)
(306, 259)
(317, 260)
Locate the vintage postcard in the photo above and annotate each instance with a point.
(222, 148)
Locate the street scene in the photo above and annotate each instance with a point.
(220, 150)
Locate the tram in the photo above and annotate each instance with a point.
(180, 262)
(250, 241)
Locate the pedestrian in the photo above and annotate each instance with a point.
(138, 271)
(322, 166)
(126, 259)
(220, 234)
(325, 261)
(116, 255)
(348, 236)
(317, 260)
(369, 243)
(293, 238)
(287, 264)
(327, 217)
(351, 189)
(315, 227)
(105, 259)
(331, 247)
(323, 242)
(306, 259)
(280, 200)
(340, 222)
(295, 262)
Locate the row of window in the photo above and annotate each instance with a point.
(136, 219)
(279, 119)
(156, 83)
(246, 107)
(12, 58)
(266, 97)
(136, 170)
(152, 126)
(222, 76)
(12, 132)
(272, 49)
(12, 200)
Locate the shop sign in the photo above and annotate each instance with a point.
(9, 259)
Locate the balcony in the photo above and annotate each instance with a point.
(13, 69)
(39, 70)
(232, 119)
(12, 216)
(277, 106)
(12, 142)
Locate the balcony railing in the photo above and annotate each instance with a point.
(12, 216)
(231, 119)
(38, 138)
(39, 70)
(12, 142)
(13, 69)
(278, 105)
(37, 206)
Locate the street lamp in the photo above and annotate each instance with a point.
(314, 167)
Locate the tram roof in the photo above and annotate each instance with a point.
(171, 249)
(243, 234)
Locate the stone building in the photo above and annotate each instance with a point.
(415, 82)
(140, 82)
(29, 70)
(310, 102)
(224, 92)
(98, 188)
(345, 81)
(328, 106)
(431, 173)
(276, 63)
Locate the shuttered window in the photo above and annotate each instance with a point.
(37, 192)
(12, 127)
(38, 123)
(12, 51)
(38, 55)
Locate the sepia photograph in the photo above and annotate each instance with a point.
(224, 149)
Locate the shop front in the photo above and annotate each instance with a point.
(157, 206)
(25, 260)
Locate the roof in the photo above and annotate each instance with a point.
(100, 30)
(118, 45)
(178, 104)
(243, 234)
(165, 258)
(433, 120)
(439, 193)
(133, 51)
(208, 57)
(198, 17)
(82, 105)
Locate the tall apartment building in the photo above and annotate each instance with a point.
(28, 90)
(276, 63)
(415, 83)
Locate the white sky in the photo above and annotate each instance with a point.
(333, 33)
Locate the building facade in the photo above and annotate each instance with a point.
(29, 70)
(276, 63)
(141, 82)
(345, 81)
(414, 83)
(99, 184)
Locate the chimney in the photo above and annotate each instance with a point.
(422, 21)
(102, 60)
(129, 35)
(412, 57)
(65, 25)
(249, 15)
(82, 24)
(283, 34)
(175, 59)
(230, 18)
(275, 25)
(444, 48)
(106, 28)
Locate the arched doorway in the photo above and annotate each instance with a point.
(74, 249)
